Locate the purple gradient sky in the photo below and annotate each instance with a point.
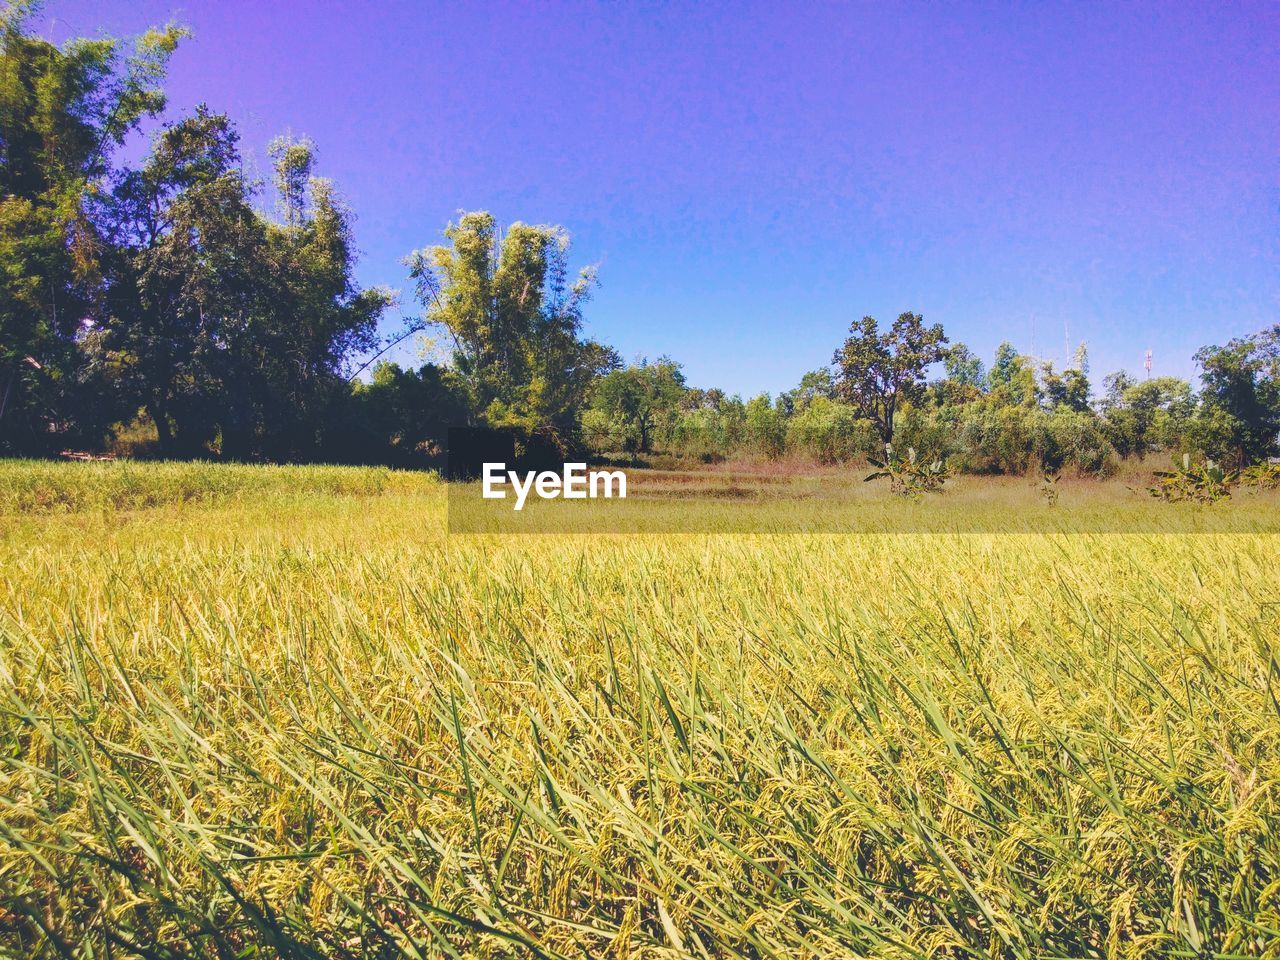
(750, 178)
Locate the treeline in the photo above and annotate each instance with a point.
(1016, 415)
(160, 290)
(179, 308)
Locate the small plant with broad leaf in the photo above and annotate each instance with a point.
(1261, 476)
(912, 476)
(1207, 482)
(1048, 486)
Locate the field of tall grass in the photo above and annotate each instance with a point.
(281, 712)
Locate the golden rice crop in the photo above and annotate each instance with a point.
(279, 712)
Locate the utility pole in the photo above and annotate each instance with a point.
(1147, 363)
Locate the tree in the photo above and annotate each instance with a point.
(318, 317)
(399, 417)
(63, 110)
(639, 398)
(230, 330)
(965, 379)
(516, 320)
(1081, 359)
(1114, 387)
(814, 384)
(1005, 365)
(696, 398)
(964, 367)
(186, 285)
(766, 429)
(877, 372)
(1141, 415)
(1068, 390)
(1012, 378)
(830, 432)
(711, 430)
(1241, 394)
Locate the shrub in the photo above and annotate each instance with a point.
(912, 476)
(831, 432)
(765, 429)
(1207, 482)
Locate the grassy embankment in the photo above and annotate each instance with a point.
(280, 707)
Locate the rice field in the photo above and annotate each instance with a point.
(281, 712)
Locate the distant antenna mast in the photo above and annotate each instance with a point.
(1147, 363)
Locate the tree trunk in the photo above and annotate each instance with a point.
(885, 426)
(237, 442)
(8, 387)
(882, 415)
(164, 433)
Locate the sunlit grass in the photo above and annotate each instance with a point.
(297, 716)
(33, 486)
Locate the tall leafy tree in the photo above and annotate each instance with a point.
(63, 111)
(965, 379)
(1241, 394)
(814, 384)
(1114, 387)
(1141, 415)
(186, 290)
(232, 330)
(635, 401)
(515, 316)
(766, 429)
(964, 367)
(1012, 378)
(1068, 390)
(877, 372)
(318, 317)
(1005, 366)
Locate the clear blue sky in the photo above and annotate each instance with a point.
(751, 177)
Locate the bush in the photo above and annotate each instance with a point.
(831, 432)
(709, 434)
(932, 432)
(1015, 440)
(765, 428)
(1076, 439)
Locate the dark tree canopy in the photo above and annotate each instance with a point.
(1242, 393)
(228, 328)
(63, 111)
